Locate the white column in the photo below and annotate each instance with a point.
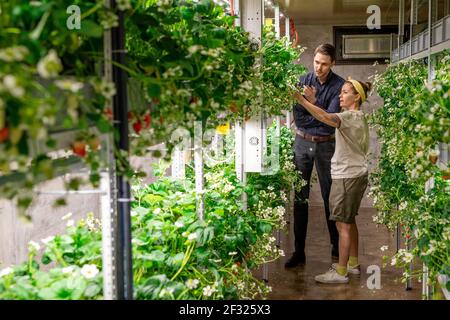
(252, 22)
(108, 185)
(198, 162)
(277, 21)
(178, 165)
(107, 236)
(288, 35)
(288, 27)
(254, 137)
(237, 12)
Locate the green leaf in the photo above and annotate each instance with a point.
(46, 259)
(154, 90)
(156, 256)
(77, 286)
(47, 294)
(206, 235)
(152, 198)
(92, 290)
(91, 29)
(51, 143)
(103, 125)
(230, 239)
(187, 13)
(264, 227)
(176, 260)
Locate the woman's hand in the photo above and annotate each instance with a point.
(299, 97)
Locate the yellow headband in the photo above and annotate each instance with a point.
(359, 89)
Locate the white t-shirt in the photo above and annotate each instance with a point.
(352, 146)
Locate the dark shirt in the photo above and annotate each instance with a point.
(327, 96)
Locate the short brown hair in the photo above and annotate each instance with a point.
(328, 50)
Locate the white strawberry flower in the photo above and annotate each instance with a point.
(192, 236)
(15, 53)
(50, 65)
(208, 291)
(6, 271)
(107, 89)
(192, 283)
(89, 271)
(70, 85)
(123, 4)
(179, 224)
(48, 239)
(67, 270)
(11, 84)
(393, 261)
(34, 246)
(109, 20)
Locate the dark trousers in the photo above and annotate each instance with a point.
(307, 154)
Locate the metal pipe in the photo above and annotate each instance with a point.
(430, 38)
(124, 269)
(408, 281)
(401, 22)
(411, 21)
(72, 192)
(277, 21)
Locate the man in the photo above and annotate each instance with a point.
(314, 144)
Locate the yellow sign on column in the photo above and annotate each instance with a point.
(223, 129)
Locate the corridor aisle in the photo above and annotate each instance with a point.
(299, 284)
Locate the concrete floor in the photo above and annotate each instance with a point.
(299, 284)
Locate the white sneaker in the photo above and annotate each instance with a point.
(351, 270)
(331, 276)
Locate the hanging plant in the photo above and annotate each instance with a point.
(191, 65)
(50, 82)
(413, 121)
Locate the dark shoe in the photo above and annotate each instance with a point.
(295, 261)
(335, 253)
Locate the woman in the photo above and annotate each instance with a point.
(348, 171)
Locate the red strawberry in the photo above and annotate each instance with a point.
(233, 107)
(137, 126)
(193, 100)
(161, 120)
(147, 121)
(4, 134)
(109, 113)
(433, 158)
(79, 148)
(130, 115)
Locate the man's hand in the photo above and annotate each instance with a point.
(310, 94)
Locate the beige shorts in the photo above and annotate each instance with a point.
(345, 198)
